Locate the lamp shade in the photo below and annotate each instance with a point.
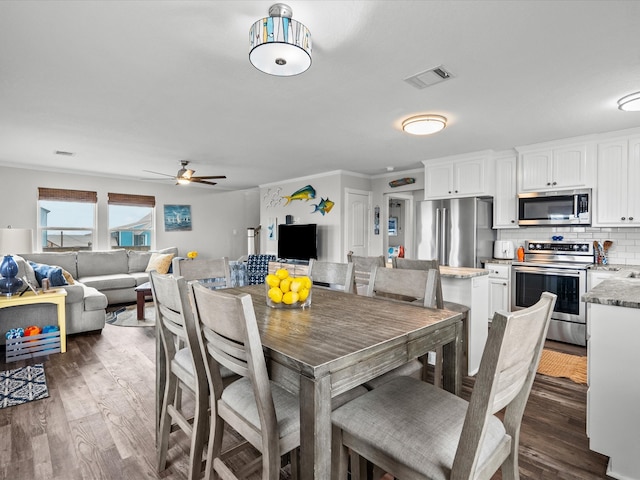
(630, 103)
(16, 240)
(424, 124)
(280, 45)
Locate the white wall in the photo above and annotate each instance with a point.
(330, 185)
(219, 219)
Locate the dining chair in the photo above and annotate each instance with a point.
(213, 272)
(265, 414)
(362, 266)
(183, 370)
(337, 276)
(415, 264)
(414, 286)
(412, 429)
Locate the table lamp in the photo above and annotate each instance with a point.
(13, 241)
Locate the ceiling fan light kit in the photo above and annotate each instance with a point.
(424, 124)
(280, 45)
(630, 103)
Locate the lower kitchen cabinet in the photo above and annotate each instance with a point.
(499, 287)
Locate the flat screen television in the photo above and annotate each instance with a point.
(297, 242)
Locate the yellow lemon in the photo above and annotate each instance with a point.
(272, 280)
(306, 281)
(303, 293)
(282, 273)
(285, 284)
(290, 298)
(275, 294)
(296, 284)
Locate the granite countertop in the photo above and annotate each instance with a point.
(462, 272)
(503, 261)
(621, 290)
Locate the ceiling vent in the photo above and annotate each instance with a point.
(429, 77)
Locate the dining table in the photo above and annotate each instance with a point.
(340, 341)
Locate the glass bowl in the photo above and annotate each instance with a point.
(290, 292)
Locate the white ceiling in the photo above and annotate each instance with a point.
(139, 85)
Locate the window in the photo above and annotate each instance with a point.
(66, 219)
(131, 221)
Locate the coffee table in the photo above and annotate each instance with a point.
(142, 292)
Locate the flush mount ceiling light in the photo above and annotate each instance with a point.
(280, 45)
(424, 124)
(630, 103)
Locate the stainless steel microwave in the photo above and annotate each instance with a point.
(564, 207)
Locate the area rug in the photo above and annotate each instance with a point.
(128, 316)
(556, 364)
(22, 385)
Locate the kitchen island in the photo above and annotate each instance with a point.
(613, 329)
(470, 287)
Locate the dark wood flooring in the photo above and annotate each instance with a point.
(98, 422)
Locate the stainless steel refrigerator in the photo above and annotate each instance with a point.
(456, 231)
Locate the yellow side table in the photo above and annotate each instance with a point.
(55, 295)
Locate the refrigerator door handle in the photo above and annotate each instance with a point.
(444, 247)
(438, 229)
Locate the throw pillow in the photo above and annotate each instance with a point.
(52, 272)
(67, 276)
(160, 262)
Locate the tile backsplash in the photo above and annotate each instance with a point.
(626, 241)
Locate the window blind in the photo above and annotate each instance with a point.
(133, 200)
(64, 195)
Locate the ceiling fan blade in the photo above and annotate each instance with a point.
(197, 180)
(209, 176)
(158, 173)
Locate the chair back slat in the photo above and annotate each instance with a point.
(215, 271)
(413, 264)
(404, 285)
(339, 276)
(362, 267)
(226, 352)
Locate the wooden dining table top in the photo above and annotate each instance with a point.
(338, 325)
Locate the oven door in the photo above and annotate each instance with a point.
(568, 284)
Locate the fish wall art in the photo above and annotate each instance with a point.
(305, 193)
(324, 206)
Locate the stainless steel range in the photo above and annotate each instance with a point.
(560, 268)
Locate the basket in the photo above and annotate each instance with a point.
(33, 346)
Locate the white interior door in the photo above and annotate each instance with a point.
(357, 214)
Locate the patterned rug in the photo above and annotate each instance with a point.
(128, 316)
(556, 364)
(22, 385)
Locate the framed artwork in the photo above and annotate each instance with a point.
(272, 229)
(393, 226)
(177, 218)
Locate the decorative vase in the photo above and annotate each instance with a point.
(9, 284)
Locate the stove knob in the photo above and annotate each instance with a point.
(539, 247)
(584, 247)
(576, 247)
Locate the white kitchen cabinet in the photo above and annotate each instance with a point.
(554, 168)
(505, 200)
(617, 199)
(457, 177)
(613, 397)
(499, 287)
(594, 277)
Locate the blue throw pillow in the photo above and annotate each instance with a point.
(53, 273)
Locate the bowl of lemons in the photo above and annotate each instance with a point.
(286, 291)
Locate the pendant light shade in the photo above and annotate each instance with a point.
(280, 45)
(630, 103)
(424, 124)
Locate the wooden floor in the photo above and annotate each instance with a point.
(98, 420)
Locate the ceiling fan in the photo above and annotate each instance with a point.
(185, 175)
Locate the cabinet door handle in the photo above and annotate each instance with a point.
(623, 218)
(630, 218)
(513, 221)
(548, 183)
(555, 183)
(504, 284)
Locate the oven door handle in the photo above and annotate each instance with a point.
(564, 272)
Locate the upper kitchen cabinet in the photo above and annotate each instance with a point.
(460, 176)
(505, 200)
(617, 198)
(546, 169)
